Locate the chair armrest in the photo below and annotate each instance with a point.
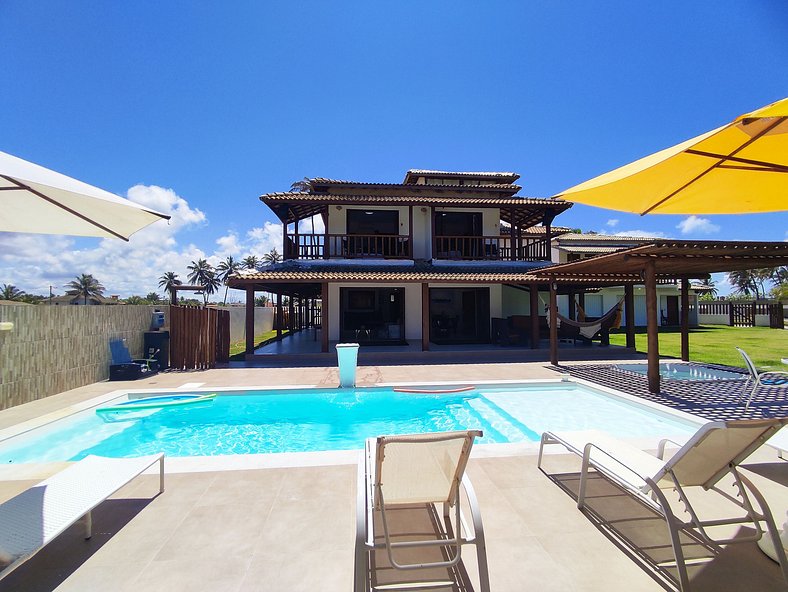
(663, 443)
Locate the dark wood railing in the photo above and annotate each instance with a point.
(742, 314)
(347, 246)
(493, 248)
(394, 246)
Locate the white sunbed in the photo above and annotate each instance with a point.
(400, 477)
(36, 516)
(712, 453)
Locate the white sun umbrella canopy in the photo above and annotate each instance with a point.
(38, 200)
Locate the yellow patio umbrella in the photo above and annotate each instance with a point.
(738, 168)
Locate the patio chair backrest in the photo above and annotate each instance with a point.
(421, 468)
(119, 351)
(716, 446)
(748, 362)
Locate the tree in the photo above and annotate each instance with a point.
(153, 298)
(303, 185)
(751, 281)
(11, 292)
(711, 288)
(226, 268)
(133, 299)
(251, 262)
(272, 257)
(202, 273)
(168, 280)
(262, 300)
(86, 286)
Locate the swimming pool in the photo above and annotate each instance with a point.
(299, 420)
(673, 371)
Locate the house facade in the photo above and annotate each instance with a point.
(434, 259)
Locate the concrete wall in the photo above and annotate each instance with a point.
(263, 321)
(52, 349)
(723, 319)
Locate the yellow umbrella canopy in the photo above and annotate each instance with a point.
(739, 168)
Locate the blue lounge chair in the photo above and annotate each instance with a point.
(123, 367)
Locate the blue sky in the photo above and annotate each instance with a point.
(197, 108)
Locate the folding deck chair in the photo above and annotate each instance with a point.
(38, 515)
(401, 481)
(710, 454)
(757, 379)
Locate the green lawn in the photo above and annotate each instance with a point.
(715, 344)
(237, 348)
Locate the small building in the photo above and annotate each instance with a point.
(572, 246)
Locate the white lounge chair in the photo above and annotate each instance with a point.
(712, 453)
(398, 476)
(36, 516)
(758, 379)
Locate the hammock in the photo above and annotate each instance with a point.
(609, 320)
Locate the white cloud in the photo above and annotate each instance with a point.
(34, 262)
(697, 225)
(613, 222)
(641, 233)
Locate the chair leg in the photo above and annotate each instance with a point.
(88, 519)
(673, 531)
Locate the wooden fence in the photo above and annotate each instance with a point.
(742, 314)
(199, 337)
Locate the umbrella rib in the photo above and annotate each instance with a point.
(763, 132)
(60, 205)
(770, 166)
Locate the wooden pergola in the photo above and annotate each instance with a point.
(646, 264)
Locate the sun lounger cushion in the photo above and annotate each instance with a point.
(38, 515)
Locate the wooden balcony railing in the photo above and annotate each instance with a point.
(347, 246)
(493, 248)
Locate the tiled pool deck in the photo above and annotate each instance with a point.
(292, 528)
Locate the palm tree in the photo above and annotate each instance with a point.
(153, 297)
(11, 292)
(201, 273)
(272, 257)
(304, 185)
(750, 281)
(168, 280)
(251, 262)
(226, 268)
(86, 286)
(711, 287)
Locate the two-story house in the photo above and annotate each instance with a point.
(432, 259)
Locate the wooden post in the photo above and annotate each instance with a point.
(324, 318)
(572, 307)
(730, 314)
(685, 319)
(553, 324)
(434, 248)
(291, 324)
(512, 237)
(425, 317)
(629, 312)
(410, 253)
(249, 320)
(279, 315)
(652, 327)
(534, 298)
(326, 246)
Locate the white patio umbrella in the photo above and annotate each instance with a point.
(38, 200)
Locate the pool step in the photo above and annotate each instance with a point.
(509, 429)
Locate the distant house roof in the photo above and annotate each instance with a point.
(413, 175)
(321, 184)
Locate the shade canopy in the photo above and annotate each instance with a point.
(739, 168)
(38, 200)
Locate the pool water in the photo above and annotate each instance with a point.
(684, 371)
(335, 419)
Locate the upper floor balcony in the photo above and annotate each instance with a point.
(398, 246)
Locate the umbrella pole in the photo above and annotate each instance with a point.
(651, 326)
